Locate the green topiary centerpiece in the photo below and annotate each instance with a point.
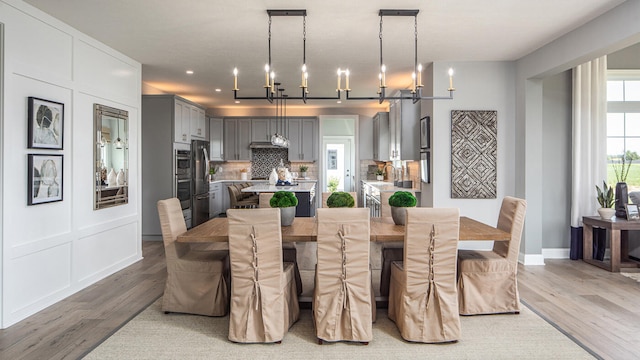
(398, 201)
(340, 199)
(287, 202)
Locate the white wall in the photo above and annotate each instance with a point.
(50, 251)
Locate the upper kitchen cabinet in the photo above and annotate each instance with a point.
(263, 128)
(198, 124)
(237, 138)
(381, 136)
(302, 139)
(189, 121)
(404, 128)
(216, 139)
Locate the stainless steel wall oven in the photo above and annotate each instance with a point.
(182, 182)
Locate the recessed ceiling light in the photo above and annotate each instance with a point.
(189, 72)
(218, 90)
(339, 101)
(237, 101)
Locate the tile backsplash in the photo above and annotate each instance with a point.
(262, 162)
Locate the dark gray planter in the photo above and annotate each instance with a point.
(287, 214)
(399, 215)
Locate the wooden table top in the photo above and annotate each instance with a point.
(304, 229)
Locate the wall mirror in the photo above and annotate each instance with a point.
(111, 156)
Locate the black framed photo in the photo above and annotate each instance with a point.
(632, 212)
(46, 123)
(45, 179)
(425, 132)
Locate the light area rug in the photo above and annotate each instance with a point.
(155, 335)
(633, 275)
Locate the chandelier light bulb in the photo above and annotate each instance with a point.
(346, 72)
(266, 75)
(339, 74)
(235, 79)
(451, 88)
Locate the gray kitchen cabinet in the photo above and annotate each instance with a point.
(302, 136)
(188, 121)
(404, 128)
(215, 199)
(216, 139)
(197, 123)
(381, 136)
(162, 134)
(263, 128)
(237, 138)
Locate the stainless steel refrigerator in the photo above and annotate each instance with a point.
(199, 181)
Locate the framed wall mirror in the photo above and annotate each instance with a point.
(111, 156)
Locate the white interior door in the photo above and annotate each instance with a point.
(338, 163)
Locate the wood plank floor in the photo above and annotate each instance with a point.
(597, 308)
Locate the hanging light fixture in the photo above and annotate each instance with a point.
(271, 92)
(278, 139)
(416, 90)
(118, 143)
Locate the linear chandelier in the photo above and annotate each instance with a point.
(271, 90)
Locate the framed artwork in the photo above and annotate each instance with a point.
(45, 179)
(425, 132)
(632, 212)
(46, 122)
(332, 159)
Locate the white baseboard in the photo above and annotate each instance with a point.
(531, 259)
(555, 253)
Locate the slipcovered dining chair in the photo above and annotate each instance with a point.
(390, 251)
(289, 250)
(197, 281)
(264, 302)
(237, 201)
(325, 196)
(488, 280)
(422, 296)
(343, 302)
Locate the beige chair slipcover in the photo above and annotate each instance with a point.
(342, 299)
(422, 296)
(264, 303)
(289, 250)
(238, 201)
(390, 251)
(325, 196)
(487, 280)
(197, 281)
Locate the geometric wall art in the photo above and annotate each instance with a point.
(474, 154)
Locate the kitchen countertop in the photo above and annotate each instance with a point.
(265, 187)
(387, 186)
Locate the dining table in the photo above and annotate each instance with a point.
(305, 229)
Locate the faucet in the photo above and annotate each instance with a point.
(394, 170)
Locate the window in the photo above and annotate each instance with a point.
(623, 124)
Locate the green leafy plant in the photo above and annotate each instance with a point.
(283, 199)
(333, 183)
(340, 199)
(403, 199)
(303, 168)
(606, 198)
(622, 164)
(379, 172)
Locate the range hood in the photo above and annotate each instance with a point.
(264, 145)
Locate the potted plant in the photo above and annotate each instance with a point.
(379, 175)
(287, 202)
(398, 201)
(243, 174)
(332, 184)
(340, 199)
(606, 200)
(303, 171)
(621, 169)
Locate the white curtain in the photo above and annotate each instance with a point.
(589, 137)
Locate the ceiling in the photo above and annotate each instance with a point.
(212, 37)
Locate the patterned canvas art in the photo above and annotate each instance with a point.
(474, 154)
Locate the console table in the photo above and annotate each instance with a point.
(618, 235)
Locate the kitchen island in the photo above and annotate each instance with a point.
(304, 191)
